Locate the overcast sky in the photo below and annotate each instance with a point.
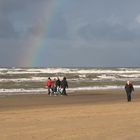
(80, 32)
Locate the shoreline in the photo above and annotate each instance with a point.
(69, 90)
(74, 98)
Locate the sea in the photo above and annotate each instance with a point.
(31, 80)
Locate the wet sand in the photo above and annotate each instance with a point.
(82, 115)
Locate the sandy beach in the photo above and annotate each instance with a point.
(82, 115)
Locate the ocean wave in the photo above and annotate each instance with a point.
(77, 74)
(69, 70)
(17, 77)
(42, 90)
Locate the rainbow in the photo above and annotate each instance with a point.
(37, 45)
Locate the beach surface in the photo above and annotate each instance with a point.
(83, 115)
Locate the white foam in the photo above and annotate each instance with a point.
(69, 70)
(82, 76)
(43, 90)
(130, 75)
(24, 79)
(104, 76)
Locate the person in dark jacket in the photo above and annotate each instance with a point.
(58, 82)
(64, 85)
(129, 89)
(58, 86)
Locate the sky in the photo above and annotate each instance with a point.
(69, 33)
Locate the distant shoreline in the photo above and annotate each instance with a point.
(79, 97)
(69, 90)
(70, 93)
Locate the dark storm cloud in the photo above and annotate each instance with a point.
(105, 20)
(59, 29)
(14, 13)
(14, 5)
(7, 8)
(106, 32)
(7, 29)
(83, 32)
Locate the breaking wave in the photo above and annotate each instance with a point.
(93, 78)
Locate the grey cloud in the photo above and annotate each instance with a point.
(17, 5)
(106, 20)
(83, 32)
(109, 54)
(6, 29)
(106, 32)
(55, 30)
(25, 19)
(14, 13)
(11, 51)
(59, 28)
(8, 6)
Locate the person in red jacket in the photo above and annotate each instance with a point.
(48, 85)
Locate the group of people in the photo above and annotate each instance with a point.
(56, 86)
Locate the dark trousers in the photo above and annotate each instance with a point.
(49, 90)
(64, 91)
(129, 96)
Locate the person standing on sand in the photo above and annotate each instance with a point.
(129, 89)
(58, 85)
(48, 85)
(64, 85)
(58, 82)
(54, 86)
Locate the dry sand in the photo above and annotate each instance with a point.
(92, 115)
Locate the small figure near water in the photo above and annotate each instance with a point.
(64, 85)
(48, 85)
(129, 90)
(54, 88)
(58, 86)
